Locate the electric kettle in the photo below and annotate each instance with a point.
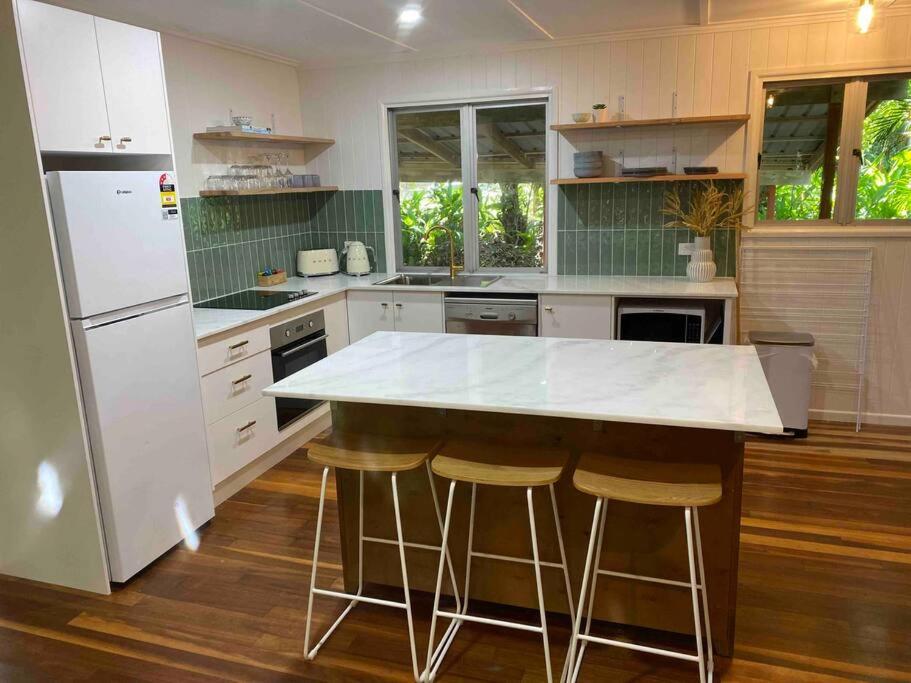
(357, 261)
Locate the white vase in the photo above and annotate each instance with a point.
(701, 267)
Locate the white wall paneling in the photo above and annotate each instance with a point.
(204, 83)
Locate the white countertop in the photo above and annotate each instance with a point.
(686, 385)
(210, 321)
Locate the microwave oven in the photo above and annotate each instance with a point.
(690, 322)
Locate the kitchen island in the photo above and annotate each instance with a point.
(673, 402)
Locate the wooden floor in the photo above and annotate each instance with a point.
(825, 591)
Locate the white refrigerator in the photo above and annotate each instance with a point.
(122, 258)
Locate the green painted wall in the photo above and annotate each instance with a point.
(616, 229)
(230, 239)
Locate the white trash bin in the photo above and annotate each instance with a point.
(787, 359)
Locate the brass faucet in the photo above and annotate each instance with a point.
(453, 268)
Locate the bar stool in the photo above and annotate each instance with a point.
(685, 485)
(491, 464)
(371, 453)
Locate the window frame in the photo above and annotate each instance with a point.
(467, 106)
(855, 77)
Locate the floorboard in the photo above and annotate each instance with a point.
(825, 591)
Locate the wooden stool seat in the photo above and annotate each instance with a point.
(370, 452)
(648, 482)
(483, 462)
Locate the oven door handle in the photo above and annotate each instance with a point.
(285, 354)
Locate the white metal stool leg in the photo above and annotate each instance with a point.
(537, 562)
(398, 529)
(569, 589)
(592, 562)
(710, 655)
(434, 658)
(319, 527)
(691, 554)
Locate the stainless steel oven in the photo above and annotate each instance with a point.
(295, 345)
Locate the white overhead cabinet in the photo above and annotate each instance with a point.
(376, 311)
(96, 85)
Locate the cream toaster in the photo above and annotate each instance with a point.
(317, 262)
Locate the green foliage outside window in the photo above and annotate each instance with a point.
(510, 223)
(884, 182)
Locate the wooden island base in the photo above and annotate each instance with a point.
(639, 539)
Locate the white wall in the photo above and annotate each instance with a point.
(48, 532)
(709, 70)
(204, 83)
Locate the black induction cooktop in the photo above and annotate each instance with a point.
(255, 299)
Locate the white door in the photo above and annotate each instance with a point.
(64, 76)
(418, 311)
(369, 312)
(578, 316)
(133, 87)
(117, 247)
(143, 406)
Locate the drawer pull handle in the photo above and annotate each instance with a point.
(549, 309)
(238, 345)
(251, 423)
(241, 380)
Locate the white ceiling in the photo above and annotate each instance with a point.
(319, 32)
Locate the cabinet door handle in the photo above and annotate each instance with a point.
(251, 423)
(122, 140)
(238, 345)
(399, 306)
(549, 309)
(384, 305)
(104, 138)
(241, 380)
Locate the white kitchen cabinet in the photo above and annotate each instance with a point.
(418, 311)
(134, 87)
(64, 77)
(336, 315)
(376, 311)
(96, 85)
(240, 438)
(577, 316)
(369, 312)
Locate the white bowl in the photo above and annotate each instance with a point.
(584, 117)
(241, 120)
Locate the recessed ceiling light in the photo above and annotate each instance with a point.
(409, 16)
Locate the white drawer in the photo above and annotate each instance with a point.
(240, 438)
(230, 389)
(221, 353)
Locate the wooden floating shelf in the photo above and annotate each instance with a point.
(229, 136)
(649, 179)
(277, 190)
(644, 123)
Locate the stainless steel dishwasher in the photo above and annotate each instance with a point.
(487, 313)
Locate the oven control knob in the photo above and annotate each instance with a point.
(287, 333)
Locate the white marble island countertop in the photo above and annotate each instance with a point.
(685, 385)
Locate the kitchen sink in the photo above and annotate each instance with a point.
(420, 280)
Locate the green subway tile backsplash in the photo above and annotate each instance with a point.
(616, 229)
(230, 239)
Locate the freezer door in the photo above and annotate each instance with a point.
(143, 406)
(118, 246)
